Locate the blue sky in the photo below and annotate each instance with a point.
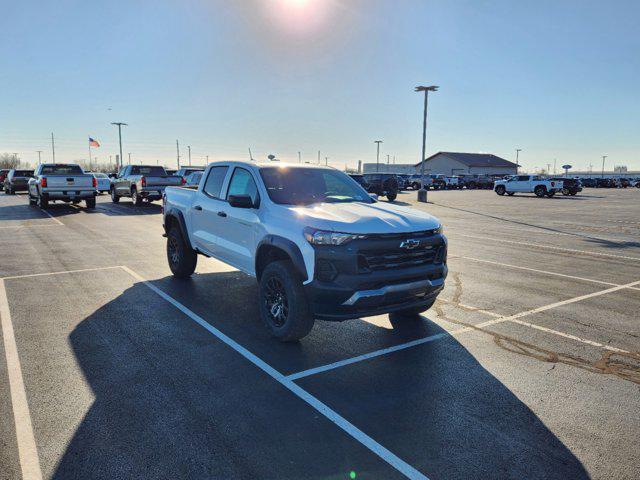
(558, 79)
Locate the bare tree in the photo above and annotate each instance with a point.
(9, 161)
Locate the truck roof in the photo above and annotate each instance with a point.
(258, 165)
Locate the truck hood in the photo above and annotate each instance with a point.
(379, 217)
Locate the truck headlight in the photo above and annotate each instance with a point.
(440, 229)
(322, 237)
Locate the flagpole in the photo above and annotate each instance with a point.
(89, 154)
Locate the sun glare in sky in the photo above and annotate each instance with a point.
(298, 16)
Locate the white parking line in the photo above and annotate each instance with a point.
(550, 247)
(52, 217)
(498, 319)
(27, 451)
(60, 273)
(546, 272)
(323, 409)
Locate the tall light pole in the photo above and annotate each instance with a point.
(119, 124)
(518, 150)
(326, 161)
(129, 155)
(299, 158)
(603, 158)
(178, 153)
(318, 157)
(39, 159)
(189, 148)
(422, 193)
(378, 142)
(53, 148)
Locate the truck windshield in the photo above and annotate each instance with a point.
(61, 170)
(304, 186)
(149, 171)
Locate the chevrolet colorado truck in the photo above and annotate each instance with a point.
(528, 184)
(142, 182)
(62, 182)
(319, 245)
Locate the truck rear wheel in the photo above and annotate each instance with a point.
(392, 196)
(114, 196)
(283, 304)
(135, 197)
(540, 191)
(182, 259)
(90, 202)
(43, 203)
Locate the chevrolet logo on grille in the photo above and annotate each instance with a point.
(410, 244)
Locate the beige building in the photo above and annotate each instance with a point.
(456, 163)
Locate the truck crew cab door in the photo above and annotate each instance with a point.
(237, 245)
(207, 212)
(120, 181)
(522, 183)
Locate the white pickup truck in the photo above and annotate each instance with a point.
(527, 184)
(319, 245)
(64, 183)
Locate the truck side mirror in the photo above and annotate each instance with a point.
(241, 201)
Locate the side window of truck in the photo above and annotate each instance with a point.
(213, 185)
(242, 183)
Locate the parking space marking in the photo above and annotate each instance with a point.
(52, 217)
(27, 451)
(382, 452)
(546, 272)
(550, 247)
(29, 226)
(44, 274)
(498, 319)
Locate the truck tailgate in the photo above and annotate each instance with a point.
(65, 182)
(163, 181)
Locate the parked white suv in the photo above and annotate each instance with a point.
(319, 245)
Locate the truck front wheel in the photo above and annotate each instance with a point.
(500, 190)
(540, 191)
(182, 259)
(283, 303)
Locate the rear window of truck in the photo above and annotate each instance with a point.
(61, 170)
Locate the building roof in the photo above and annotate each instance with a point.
(475, 159)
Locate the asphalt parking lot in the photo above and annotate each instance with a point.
(527, 367)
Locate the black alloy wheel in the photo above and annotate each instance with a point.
(276, 301)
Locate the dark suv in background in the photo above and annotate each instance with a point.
(382, 184)
(473, 182)
(570, 186)
(17, 181)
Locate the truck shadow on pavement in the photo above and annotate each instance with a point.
(172, 401)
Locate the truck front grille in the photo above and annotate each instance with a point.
(375, 260)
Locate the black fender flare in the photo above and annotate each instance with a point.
(290, 248)
(179, 217)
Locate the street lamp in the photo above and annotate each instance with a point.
(378, 155)
(603, 158)
(422, 193)
(119, 124)
(518, 150)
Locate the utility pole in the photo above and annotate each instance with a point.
(299, 158)
(548, 169)
(554, 165)
(189, 148)
(250, 155)
(422, 193)
(394, 159)
(39, 158)
(119, 124)
(326, 161)
(207, 159)
(603, 158)
(178, 153)
(318, 157)
(53, 148)
(387, 159)
(129, 155)
(518, 150)
(377, 142)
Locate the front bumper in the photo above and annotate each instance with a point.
(361, 289)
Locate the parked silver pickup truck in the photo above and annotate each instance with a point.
(63, 183)
(141, 182)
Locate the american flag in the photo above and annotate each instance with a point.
(93, 143)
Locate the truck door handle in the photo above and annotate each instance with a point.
(222, 214)
(197, 207)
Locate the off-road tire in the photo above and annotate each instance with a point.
(114, 196)
(540, 191)
(32, 201)
(43, 203)
(90, 202)
(392, 196)
(501, 190)
(181, 257)
(299, 320)
(136, 198)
